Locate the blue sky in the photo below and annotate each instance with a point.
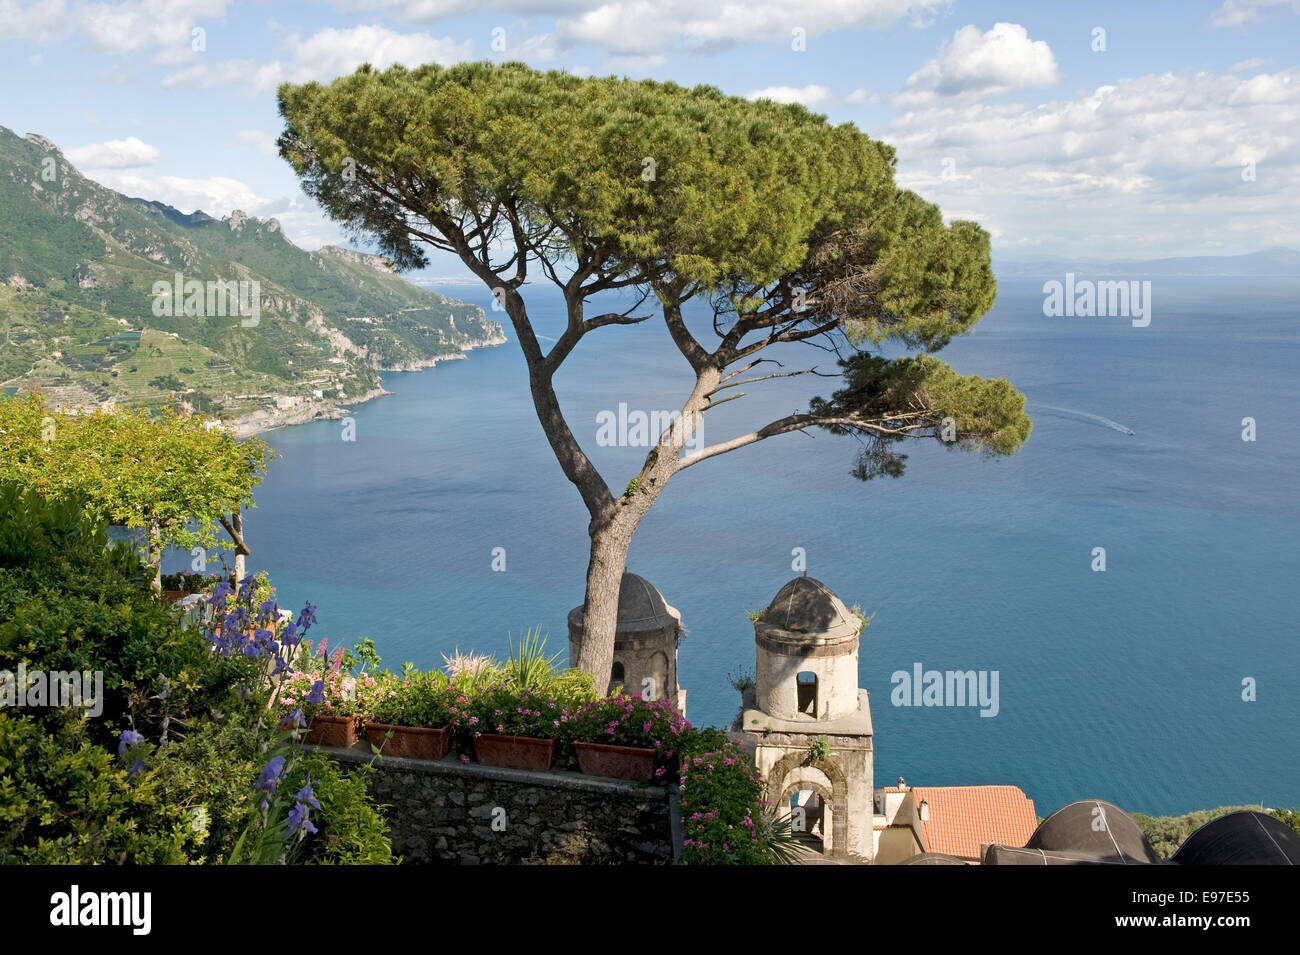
(1179, 138)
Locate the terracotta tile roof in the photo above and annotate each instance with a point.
(964, 817)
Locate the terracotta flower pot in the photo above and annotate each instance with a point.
(339, 731)
(415, 742)
(514, 752)
(171, 596)
(619, 762)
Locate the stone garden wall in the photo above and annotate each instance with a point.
(458, 813)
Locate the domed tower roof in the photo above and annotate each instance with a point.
(641, 607)
(806, 606)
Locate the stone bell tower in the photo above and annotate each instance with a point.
(809, 723)
(645, 642)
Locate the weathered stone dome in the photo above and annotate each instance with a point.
(807, 606)
(641, 607)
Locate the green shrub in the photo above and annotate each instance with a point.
(1290, 816)
(186, 792)
(1167, 833)
(721, 806)
(64, 799)
(71, 600)
(351, 829)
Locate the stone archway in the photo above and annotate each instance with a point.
(799, 781)
(786, 772)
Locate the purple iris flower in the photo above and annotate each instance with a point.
(305, 795)
(270, 777)
(137, 767)
(298, 818)
(128, 740)
(307, 618)
(304, 800)
(289, 636)
(267, 612)
(220, 594)
(317, 694)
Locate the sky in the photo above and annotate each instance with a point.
(1068, 130)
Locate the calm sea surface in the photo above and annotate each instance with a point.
(1124, 685)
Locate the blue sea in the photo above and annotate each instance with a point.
(1126, 685)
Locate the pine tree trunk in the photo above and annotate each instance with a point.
(609, 546)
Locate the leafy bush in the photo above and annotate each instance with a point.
(71, 600)
(351, 830)
(1290, 816)
(721, 800)
(1167, 833)
(180, 785)
(64, 799)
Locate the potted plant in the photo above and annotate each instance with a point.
(183, 583)
(411, 718)
(512, 727)
(324, 704)
(626, 737)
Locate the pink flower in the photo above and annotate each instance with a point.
(463, 757)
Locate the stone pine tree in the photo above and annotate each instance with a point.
(786, 228)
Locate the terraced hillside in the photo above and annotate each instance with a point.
(88, 314)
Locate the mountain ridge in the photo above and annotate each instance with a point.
(87, 280)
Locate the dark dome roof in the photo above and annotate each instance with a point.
(1075, 829)
(932, 858)
(641, 607)
(1241, 838)
(807, 606)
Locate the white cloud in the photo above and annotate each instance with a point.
(129, 153)
(38, 22)
(656, 28)
(323, 56)
(1152, 165)
(262, 142)
(162, 27)
(330, 53)
(998, 60)
(1236, 12)
(215, 195)
(813, 96)
(807, 95)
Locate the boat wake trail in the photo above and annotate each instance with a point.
(1096, 418)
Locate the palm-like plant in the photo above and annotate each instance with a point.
(529, 667)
